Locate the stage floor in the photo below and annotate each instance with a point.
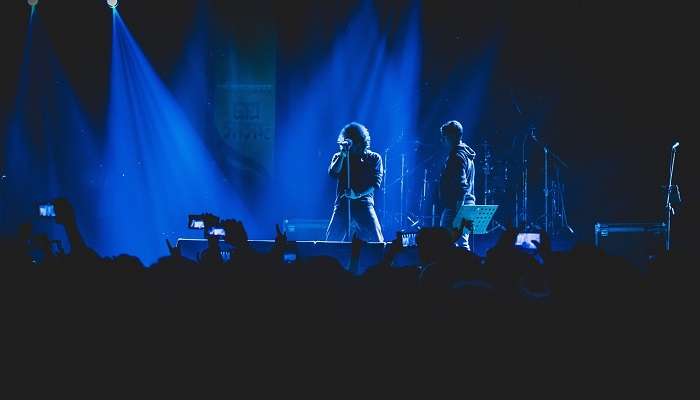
(371, 254)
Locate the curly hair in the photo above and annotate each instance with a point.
(356, 132)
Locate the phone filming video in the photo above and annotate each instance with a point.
(198, 221)
(216, 231)
(196, 224)
(524, 241)
(408, 239)
(47, 210)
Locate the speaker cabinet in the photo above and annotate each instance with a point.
(638, 243)
(305, 229)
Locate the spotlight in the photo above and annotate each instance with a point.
(32, 2)
(112, 3)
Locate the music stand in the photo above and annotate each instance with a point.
(480, 215)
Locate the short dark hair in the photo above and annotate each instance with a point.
(453, 128)
(356, 132)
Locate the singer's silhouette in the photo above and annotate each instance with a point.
(366, 172)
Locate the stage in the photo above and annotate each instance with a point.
(371, 253)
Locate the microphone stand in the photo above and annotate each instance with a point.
(547, 154)
(386, 163)
(349, 239)
(669, 208)
(522, 213)
(403, 168)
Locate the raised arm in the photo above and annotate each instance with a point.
(336, 164)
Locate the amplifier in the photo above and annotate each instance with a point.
(639, 243)
(305, 229)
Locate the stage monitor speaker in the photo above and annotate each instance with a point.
(305, 229)
(638, 243)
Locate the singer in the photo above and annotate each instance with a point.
(353, 211)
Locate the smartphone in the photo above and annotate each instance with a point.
(525, 240)
(408, 239)
(47, 210)
(289, 257)
(196, 223)
(217, 231)
(203, 221)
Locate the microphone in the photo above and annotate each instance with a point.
(345, 143)
(675, 146)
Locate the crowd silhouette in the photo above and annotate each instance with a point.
(448, 284)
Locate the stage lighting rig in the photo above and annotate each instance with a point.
(32, 3)
(112, 3)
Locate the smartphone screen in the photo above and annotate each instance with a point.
(213, 231)
(525, 240)
(46, 210)
(408, 239)
(196, 224)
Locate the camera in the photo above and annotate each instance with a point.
(47, 210)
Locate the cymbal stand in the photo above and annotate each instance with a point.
(488, 192)
(401, 190)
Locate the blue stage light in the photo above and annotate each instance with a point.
(112, 3)
(32, 2)
(156, 165)
(365, 76)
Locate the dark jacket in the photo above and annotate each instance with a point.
(365, 171)
(457, 177)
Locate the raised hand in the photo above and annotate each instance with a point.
(235, 233)
(210, 219)
(280, 237)
(65, 215)
(356, 246)
(465, 224)
(394, 249)
(544, 245)
(173, 251)
(280, 241)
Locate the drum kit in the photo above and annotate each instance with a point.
(409, 195)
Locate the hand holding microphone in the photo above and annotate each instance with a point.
(345, 145)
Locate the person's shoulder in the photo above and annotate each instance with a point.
(462, 152)
(373, 155)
